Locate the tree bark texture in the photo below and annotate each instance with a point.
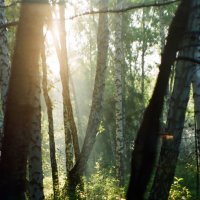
(187, 64)
(119, 60)
(196, 96)
(35, 152)
(20, 110)
(175, 122)
(145, 149)
(71, 137)
(4, 68)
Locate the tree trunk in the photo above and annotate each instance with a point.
(162, 26)
(79, 123)
(4, 68)
(20, 109)
(162, 44)
(144, 48)
(119, 60)
(54, 168)
(170, 148)
(145, 149)
(96, 108)
(196, 97)
(187, 64)
(35, 154)
(69, 123)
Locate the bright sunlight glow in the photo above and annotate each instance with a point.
(51, 54)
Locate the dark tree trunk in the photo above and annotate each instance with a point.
(144, 153)
(19, 106)
(170, 148)
(186, 68)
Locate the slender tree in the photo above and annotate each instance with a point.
(144, 49)
(188, 62)
(145, 148)
(71, 137)
(77, 111)
(20, 109)
(54, 168)
(162, 27)
(186, 66)
(170, 148)
(119, 60)
(4, 67)
(77, 171)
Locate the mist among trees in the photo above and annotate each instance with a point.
(100, 99)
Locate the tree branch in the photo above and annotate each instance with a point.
(9, 24)
(132, 7)
(126, 9)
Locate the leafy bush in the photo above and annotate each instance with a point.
(102, 185)
(178, 191)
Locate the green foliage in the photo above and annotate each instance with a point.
(187, 170)
(178, 191)
(102, 185)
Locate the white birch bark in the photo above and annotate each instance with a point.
(4, 67)
(119, 57)
(22, 109)
(35, 155)
(71, 137)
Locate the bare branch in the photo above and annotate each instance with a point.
(126, 9)
(132, 7)
(155, 3)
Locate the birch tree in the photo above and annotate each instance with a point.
(54, 167)
(20, 109)
(71, 137)
(74, 177)
(119, 60)
(188, 63)
(4, 67)
(144, 153)
(35, 154)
